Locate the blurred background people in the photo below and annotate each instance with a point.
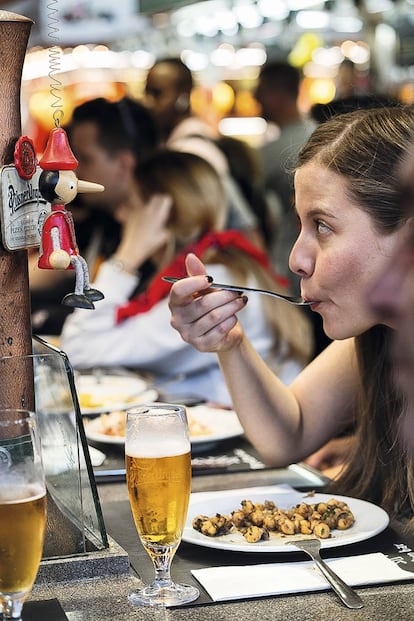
(108, 139)
(167, 95)
(176, 208)
(245, 168)
(277, 92)
(346, 82)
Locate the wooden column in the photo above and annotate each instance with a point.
(15, 323)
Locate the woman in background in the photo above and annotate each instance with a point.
(178, 206)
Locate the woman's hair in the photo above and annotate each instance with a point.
(199, 206)
(199, 202)
(366, 148)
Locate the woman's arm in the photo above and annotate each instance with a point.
(284, 423)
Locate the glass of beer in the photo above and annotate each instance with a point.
(22, 509)
(158, 470)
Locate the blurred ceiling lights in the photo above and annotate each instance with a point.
(231, 39)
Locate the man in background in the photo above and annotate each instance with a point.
(277, 92)
(167, 95)
(108, 139)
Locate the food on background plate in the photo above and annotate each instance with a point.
(257, 521)
(114, 423)
(99, 392)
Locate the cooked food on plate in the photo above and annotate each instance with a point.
(114, 423)
(257, 521)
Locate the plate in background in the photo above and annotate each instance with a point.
(208, 426)
(106, 393)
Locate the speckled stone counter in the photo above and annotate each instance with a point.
(104, 599)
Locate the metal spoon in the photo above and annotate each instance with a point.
(346, 594)
(215, 285)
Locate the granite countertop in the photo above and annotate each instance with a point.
(104, 599)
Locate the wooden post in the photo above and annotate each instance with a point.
(15, 322)
(63, 537)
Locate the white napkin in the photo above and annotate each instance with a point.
(97, 457)
(241, 582)
(55, 464)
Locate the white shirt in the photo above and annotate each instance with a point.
(148, 343)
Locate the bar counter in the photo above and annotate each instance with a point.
(105, 599)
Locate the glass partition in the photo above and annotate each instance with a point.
(75, 522)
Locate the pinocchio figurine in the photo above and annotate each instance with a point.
(58, 184)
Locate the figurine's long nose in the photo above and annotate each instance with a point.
(89, 186)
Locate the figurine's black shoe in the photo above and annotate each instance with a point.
(77, 300)
(93, 294)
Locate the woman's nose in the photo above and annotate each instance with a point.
(301, 261)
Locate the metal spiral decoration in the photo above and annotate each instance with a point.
(55, 57)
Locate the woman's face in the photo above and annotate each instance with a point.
(338, 254)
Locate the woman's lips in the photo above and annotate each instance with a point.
(314, 305)
(312, 302)
(309, 298)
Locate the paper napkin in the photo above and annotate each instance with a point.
(247, 581)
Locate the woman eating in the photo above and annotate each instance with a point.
(351, 223)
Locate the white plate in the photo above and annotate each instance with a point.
(220, 425)
(111, 392)
(369, 519)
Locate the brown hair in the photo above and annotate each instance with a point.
(199, 202)
(366, 148)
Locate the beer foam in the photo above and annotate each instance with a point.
(22, 493)
(151, 445)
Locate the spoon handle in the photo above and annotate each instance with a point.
(216, 285)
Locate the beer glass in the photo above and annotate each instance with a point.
(22, 509)
(158, 470)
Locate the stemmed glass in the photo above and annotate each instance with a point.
(22, 509)
(158, 470)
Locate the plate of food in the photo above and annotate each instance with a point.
(269, 519)
(207, 425)
(107, 393)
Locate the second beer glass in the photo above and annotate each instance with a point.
(158, 468)
(22, 509)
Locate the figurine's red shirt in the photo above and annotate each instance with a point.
(61, 219)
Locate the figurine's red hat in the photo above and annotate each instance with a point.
(58, 154)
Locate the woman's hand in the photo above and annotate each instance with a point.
(144, 228)
(205, 318)
(332, 456)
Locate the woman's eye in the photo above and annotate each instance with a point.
(321, 227)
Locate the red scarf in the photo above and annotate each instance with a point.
(159, 289)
